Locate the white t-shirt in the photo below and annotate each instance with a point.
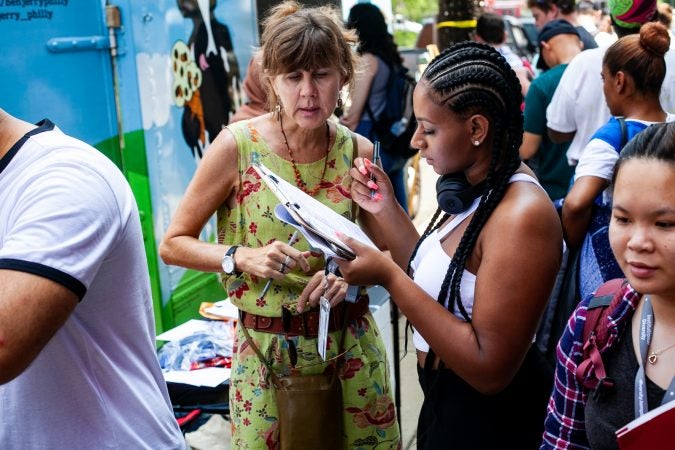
(514, 60)
(599, 157)
(68, 214)
(578, 103)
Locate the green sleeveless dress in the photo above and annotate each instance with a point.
(369, 411)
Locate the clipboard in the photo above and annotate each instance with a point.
(316, 221)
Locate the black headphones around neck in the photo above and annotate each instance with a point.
(454, 193)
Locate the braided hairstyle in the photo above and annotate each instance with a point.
(473, 78)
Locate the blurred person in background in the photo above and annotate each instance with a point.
(559, 42)
(255, 101)
(578, 107)
(632, 72)
(379, 56)
(544, 11)
(490, 30)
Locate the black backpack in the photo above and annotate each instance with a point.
(396, 124)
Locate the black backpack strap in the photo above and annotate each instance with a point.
(624, 132)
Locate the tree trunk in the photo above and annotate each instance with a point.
(455, 21)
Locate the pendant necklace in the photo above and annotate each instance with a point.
(298, 178)
(653, 357)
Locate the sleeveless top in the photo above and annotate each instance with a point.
(377, 96)
(431, 263)
(252, 223)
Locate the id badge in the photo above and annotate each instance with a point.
(324, 315)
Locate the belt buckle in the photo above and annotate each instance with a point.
(263, 322)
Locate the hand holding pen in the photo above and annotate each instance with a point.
(376, 161)
(284, 265)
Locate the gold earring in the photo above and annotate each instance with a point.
(277, 111)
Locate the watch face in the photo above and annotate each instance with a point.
(228, 265)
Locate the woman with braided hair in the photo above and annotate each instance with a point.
(475, 284)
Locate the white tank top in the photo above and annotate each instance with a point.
(431, 263)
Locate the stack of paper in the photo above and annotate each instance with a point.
(317, 222)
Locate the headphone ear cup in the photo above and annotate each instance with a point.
(449, 193)
(455, 194)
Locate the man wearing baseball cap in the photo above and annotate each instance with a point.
(544, 11)
(559, 42)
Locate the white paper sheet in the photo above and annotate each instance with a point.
(323, 221)
(224, 309)
(208, 376)
(182, 331)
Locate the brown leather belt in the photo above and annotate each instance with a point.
(306, 324)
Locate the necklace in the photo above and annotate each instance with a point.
(298, 179)
(653, 357)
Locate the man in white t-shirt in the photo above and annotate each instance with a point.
(578, 106)
(78, 367)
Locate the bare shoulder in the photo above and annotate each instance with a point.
(526, 213)
(369, 62)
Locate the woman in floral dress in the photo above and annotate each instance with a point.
(306, 61)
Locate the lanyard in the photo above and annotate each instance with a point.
(646, 331)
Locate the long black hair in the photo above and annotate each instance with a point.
(472, 78)
(369, 23)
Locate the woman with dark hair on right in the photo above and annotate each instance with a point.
(379, 56)
(481, 273)
(642, 325)
(633, 71)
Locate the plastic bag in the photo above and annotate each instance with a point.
(198, 349)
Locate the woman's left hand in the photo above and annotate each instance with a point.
(332, 287)
(371, 266)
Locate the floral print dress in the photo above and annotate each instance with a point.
(369, 411)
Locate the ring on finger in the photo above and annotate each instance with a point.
(287, 260)
(282, 267)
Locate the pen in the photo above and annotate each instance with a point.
(291, 241)
(376, 161)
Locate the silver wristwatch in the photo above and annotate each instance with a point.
(229, 267)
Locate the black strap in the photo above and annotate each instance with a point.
(624, 131)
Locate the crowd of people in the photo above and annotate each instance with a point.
(541, 179)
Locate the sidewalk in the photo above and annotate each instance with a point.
(411, 393)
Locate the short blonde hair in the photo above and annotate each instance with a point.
(297, 38)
